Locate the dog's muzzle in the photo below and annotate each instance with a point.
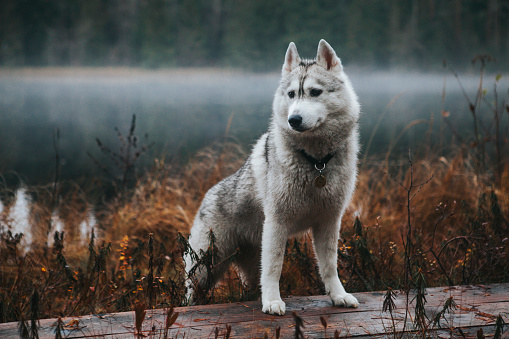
(295, 122)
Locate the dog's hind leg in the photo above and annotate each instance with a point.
(325, 241)
(202, 278)
(248, 264)
(205, 266)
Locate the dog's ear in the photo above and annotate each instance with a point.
(292, 59)
(327, 58)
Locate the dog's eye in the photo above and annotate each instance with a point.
(315, 92)
(291, 94)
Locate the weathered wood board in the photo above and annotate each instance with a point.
(477, 308)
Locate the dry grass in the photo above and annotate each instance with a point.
(454, 204)
(430, 221)
(457, 216)
(166, 200)
(459, 237)
(458, 234)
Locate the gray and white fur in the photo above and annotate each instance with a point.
(273, 196)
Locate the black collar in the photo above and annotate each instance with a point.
(319, 164)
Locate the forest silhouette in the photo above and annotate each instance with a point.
(395, 34)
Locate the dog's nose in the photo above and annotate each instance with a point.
(295, 120)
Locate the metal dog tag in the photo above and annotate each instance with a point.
(320, 181)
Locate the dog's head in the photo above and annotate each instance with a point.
(314, 96)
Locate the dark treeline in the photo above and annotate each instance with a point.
(250, 34)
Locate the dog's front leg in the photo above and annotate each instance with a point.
(325, 241)
(273, 250)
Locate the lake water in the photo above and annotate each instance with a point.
(183, 111)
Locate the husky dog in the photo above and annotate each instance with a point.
(300, 176)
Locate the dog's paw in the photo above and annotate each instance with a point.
(344, 300)
(277, 307)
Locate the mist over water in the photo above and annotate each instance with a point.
(184, 111)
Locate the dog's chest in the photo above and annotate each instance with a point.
(296, 195)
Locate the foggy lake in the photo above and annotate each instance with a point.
(183, 111)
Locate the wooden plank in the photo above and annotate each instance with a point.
(478, 308)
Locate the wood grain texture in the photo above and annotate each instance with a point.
(478, 307)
